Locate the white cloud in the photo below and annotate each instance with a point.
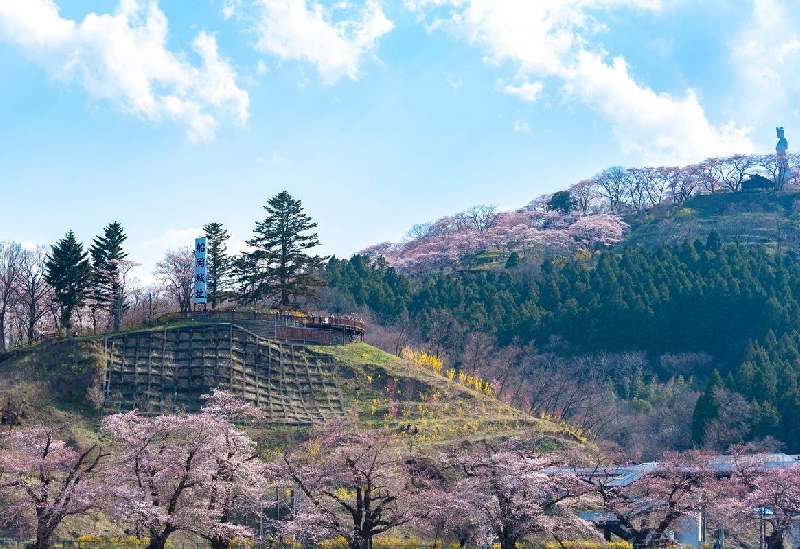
(554, 40)
(528, 91)
(662, 128)
(765, 53)
(522, 127)
(172, 239)
(277, 158)
(261, 68)
(455, 83)
(122, 58)
(335, 38)
(229, 8)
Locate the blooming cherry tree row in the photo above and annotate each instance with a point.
(201, 473)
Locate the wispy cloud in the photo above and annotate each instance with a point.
(522, 127)
(455, 83)
(277, 158)
(123, 58)
(174, 238)
(557, 40)
(529, 91)
(335, 38)
(765, 55)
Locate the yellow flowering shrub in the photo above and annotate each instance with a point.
(586, 544)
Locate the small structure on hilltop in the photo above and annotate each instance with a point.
(757, 183)
(782, 172)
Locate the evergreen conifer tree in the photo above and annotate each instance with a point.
(706, 408)
(279, 267)
(106, 253)
(217, 260)
(69, 273)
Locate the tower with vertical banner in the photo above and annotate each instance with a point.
(200, 272)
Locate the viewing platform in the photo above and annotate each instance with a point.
(291, 326)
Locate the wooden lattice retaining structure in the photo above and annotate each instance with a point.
(166, 371)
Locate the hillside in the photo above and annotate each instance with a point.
(747, 218)
(76, 381)
(712, 283)
(57, 381)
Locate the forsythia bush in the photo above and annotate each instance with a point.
(335, 543)
(588, 545)
(423, 358)
(398, 543)
(384, 543)
(112, 541)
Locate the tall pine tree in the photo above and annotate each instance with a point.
(69, 273)
(217, 260)
(706, 408)
(107, 255)
(279, 266)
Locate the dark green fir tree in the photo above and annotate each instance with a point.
(68, 272)
(107, 269)
(279, 267)
(218, 262)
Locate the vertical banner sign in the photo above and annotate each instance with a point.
(200, 270)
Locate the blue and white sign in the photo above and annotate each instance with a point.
(200, 270)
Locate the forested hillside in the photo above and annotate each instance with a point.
(609, 304)
(665, 315)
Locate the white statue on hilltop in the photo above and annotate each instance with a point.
(783, 161)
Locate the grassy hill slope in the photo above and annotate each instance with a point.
(62, 382)
(748, 218)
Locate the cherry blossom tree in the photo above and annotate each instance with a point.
(586, 197)
(184, 472)
(355, 484)
(600, 229)
(512, 492)
(775, 492)
(636, 187)
(734, 169)
(611, 183)
(480, 218)
(176, 273)
(683, 183)
(708, 173)
(47, 479)
(32, 292)
(238, 478)
(681, 484)
(10, 265)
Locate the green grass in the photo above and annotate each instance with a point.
(443, 410)
(55, 382)
(754, 218)
(61, 381)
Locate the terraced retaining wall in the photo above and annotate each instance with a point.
(167, 371)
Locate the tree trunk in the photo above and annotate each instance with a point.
(3, 330)
(508, 542)
(218, 542)
(159, 539)
(31, 324)
(774, 540)
(360, 542)
(42, 538)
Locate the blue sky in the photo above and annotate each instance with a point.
(377, 114)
